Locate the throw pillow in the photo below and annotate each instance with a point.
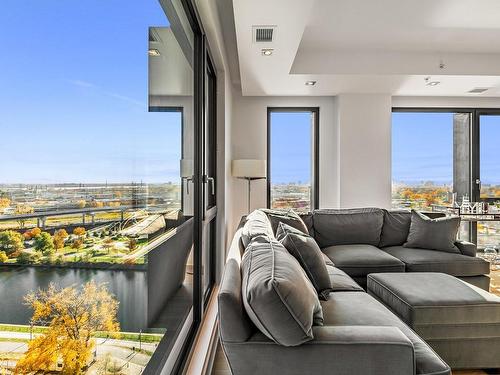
(257, 225)
(289, 217)
(433, 234)
(277, 295)
(305, 249)
(395, 229)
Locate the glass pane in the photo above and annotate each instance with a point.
(93, 209)
(488, 232)
(422, 159)
(292, 160)
(489, 156)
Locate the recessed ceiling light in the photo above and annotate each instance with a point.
(267, 51)
(153, 52)
(310, 83)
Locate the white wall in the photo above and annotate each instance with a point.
(364, 150)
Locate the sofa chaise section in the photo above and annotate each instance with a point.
(468, 268)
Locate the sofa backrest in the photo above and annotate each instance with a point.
(235, 325)
(348, 226)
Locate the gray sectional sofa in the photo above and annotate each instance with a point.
(358, 334)
(370, 240)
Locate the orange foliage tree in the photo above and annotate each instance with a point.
(73, 317)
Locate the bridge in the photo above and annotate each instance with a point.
(42, 216)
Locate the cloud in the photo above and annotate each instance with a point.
(80, 83)
(99, 90)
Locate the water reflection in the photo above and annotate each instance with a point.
(129, 287)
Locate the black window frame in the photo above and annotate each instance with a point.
(315, 152)
(202, 57)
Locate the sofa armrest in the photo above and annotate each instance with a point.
(466, 248)
(335, 350)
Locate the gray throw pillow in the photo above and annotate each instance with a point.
(277, 295)
(289, 217)
(395, 229)
(305, 249)
(433, 234)
(256, 225)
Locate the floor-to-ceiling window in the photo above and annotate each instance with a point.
(98, 185)
(292, 158)
(443, 158)
(422, 159)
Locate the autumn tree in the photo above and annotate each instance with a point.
(11, 241)
(44, 243)
(3, 257)
(23, 209)
(107, 244)
(79, 231)
(72, 316)
(32, 233)
(4, 203)
(132, 244)
(60, 238)
(81, 203)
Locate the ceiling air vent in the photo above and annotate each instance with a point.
(478, 90)
(263, 34)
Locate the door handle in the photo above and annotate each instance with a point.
(212, 183)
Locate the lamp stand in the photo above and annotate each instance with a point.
(250, 179)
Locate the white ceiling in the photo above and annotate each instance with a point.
(358, 46)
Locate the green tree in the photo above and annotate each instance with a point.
(11, 241)
(44, 243)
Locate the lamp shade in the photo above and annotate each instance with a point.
(186, 168)
(249, 168)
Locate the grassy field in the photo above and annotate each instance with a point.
(128, 336)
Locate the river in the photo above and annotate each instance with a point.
(129, 287)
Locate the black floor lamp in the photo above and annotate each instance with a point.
(249, 169)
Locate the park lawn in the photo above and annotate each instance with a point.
(129, 336)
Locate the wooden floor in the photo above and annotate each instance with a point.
(221, 367)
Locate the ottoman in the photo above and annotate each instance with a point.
(459, 321)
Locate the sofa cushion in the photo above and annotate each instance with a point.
(256, 225)
(342, 282)
(360, 260)
(434, 234)
(288, 217)
(421, 260)
(305, 249)
(277, 295)
(396, 227)
(348, 226)
(361, 309)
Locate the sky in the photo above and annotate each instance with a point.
(291, 152)
(422, 148)
(73, 103)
